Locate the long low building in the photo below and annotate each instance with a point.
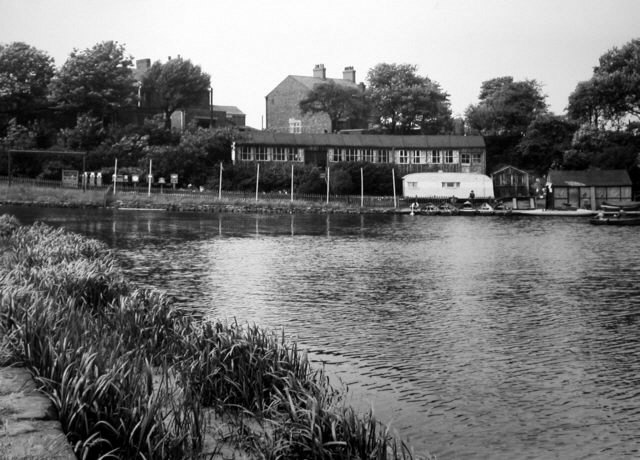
(448, 153)
(443, 184)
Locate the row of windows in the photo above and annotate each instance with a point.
(438, 157)
(445, 185)
(264, 153)
(354, 154)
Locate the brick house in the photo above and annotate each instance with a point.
(283, 113)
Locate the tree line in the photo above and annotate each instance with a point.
(80, 105)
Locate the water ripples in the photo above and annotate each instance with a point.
(475, 337)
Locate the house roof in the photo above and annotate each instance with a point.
(589, 177)
(310, 82)
(512, 168)
(362, 140)
(230, 109)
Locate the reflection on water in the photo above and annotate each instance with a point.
(477, 337)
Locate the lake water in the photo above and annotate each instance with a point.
(474, 337)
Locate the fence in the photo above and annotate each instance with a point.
(212, 195)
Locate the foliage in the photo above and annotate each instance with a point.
(88, 133)
(194, 158)
(404, 102)
(506, 107)
(175, 84)
(18, 136)
(25, 73)
(341, 103)
(544, 143)
(603, 149)
(96, 81)
(131, 377)
(612, 96)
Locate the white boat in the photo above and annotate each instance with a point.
(554, 212)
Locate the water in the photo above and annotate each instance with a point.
(475, 337)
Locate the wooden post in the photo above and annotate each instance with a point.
(393, 175)
(150, 178)
(291, 182)
(220, 184)
(328, 180)
(115, 177)
(257, 180)
(514, 203)
(361, 188)
(593, 198)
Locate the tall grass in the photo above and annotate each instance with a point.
(132, 377)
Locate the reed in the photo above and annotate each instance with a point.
(132, 377)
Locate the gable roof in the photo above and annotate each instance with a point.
(361, 140)
(589, 177)
(310, 82)
(231, 109)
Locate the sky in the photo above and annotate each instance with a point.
(249, 46)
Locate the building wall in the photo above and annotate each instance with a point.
(282, 107)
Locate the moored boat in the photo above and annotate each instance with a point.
(554, 212)
(467, 209)
(620, 206)
(430, 209)
(486, 209)
(618, 219)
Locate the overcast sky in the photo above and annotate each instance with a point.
(248, 47)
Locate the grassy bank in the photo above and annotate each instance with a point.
(30, 195)
(132, 377)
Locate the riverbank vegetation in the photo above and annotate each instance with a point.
(133, 377)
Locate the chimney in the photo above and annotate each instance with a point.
(143, 64)
(320, 72)
(349, 74)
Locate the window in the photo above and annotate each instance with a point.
(450, 185)
(335, 155)
(465, 158)
(279, 154)
(415, 156)
(261, 153)
(434, 156)
(412, 185)
(368, 155)
(351, 154)
(295, 126)
(383, 156)
(476, 158)
(403, 156)
(448, 156)
(245, 153)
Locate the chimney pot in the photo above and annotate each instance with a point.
(319, 71)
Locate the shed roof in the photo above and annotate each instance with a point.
(589, 177)
(361, 140)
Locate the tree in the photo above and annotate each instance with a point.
(175, 84)
(506, 107)
(546, 140)
(25, 73)
(404, 102)
(612, 96)
(96, 81)
(339, 102)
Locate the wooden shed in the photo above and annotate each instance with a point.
(511, 182)
(587, 188)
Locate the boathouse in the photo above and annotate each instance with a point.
(511, 182)
(410, 153)
(587, 188)
(447, 185)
